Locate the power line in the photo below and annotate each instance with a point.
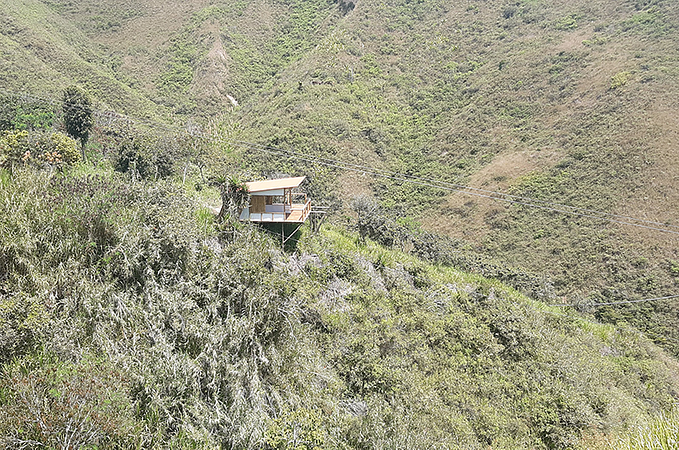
(439, 185)
(499, 196)
(434, 184)
(623, 302)
(462, 188)
(381, 172)
(425, 182)
(442, 185)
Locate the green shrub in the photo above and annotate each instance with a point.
(234, 194)
(674, 268)
(52, 404)
(24, 320)
(567, 23)
(65, 147)
(15, 149)
(86, 209)
(144, 154)
(300, 429)
(22, 113)
(55, 149)
(77, 113)
(37, 148)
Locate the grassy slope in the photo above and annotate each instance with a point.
(43, 53)
(126, 300)
(515, 97)
(663, 434)
(192, 56)
(498, 96)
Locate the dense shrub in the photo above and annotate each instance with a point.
(147, 154)
(23, 113)
(23, 323)
(235, 195)
(78, 114)
(301, 429)
(63, 147)
(400, 331)
(36, 148)
(48, 403)
(139, 154)
(209, 341)
(14, 149)
(378, 224)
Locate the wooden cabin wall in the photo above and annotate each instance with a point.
(257, 204)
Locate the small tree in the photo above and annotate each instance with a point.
(234, 197)
(78, 119)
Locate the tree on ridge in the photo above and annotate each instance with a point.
(77, 107)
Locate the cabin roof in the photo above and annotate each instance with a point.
(269, 185)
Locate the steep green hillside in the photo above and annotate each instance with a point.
(128, 318)
(120, 294)
(566, 102)
(41, 53)
(197, 57)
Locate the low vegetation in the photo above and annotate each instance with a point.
(129, 317)
(662, 433)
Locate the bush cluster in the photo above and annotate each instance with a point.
(21, 148)
(56, 404)
(210, 340)
(21, 113)
(142, 155)
(382, 226)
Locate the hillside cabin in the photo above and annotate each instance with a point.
(274, 201)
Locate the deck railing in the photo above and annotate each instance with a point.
(283, 213)
(262, 217)
(307, 209)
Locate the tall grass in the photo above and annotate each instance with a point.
(661, 434)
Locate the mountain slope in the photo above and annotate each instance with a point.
(566, 102)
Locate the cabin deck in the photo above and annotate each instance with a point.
(279, 213)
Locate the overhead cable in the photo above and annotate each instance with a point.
(621, 302)
(425, 182)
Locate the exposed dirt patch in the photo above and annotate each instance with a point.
(573, 41)
(660, 187)
(464, 215)
(212, 72)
